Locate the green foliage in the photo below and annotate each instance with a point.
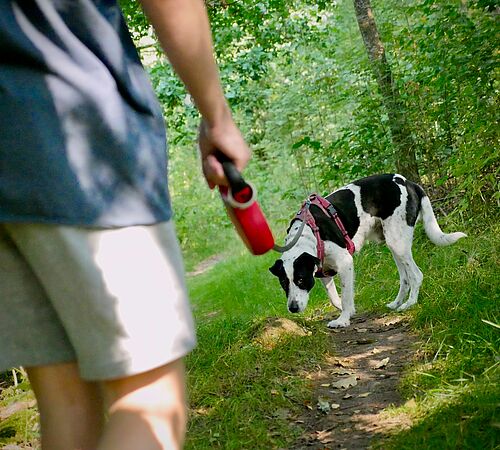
(444, 61)
(301, 87)
(300, 84)
(22, 425)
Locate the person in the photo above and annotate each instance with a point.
(92, 292)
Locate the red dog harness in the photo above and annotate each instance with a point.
(305, 215)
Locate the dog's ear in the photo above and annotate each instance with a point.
(309, 261)
(276, 268)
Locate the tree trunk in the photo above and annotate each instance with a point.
(403, 142)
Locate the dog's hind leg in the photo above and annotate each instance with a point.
(404, 283)
(331, 290)
(346, 274)
(399, 239)
(415, 277)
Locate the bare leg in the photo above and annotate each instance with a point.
(71, 410)
(147, 411)
(331, 290)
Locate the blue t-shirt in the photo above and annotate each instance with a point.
(82, 138)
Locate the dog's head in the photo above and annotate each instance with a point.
(296, 275)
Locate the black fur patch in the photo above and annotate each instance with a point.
(303, 271)
(278, 270)
(380, 195)
(343, 201)
(413, 204)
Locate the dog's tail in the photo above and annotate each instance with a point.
(432, 228)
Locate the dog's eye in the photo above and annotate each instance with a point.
(300, 282)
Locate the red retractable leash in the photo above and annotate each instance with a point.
(244, 211)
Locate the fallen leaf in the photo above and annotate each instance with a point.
(307, 404)
(345, 383)
(345, 397)
(8, 411)
(325, 385)
(274, 392)
(341, 372)
(342, 362)
(361, 330)
(411, 404)
(382, 363)
(356, 411)
(334, 405)
(324, 436)
(364, 394)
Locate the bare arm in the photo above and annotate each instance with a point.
(184, 32)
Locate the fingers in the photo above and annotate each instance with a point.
(226, 138)
(212, 169)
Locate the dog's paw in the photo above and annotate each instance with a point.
(393, 305)
(405, 306)
(339, 323)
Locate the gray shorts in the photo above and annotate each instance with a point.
(113, 300)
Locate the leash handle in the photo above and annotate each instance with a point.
(243, 209)
(236, 181)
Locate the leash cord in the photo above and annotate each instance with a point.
(296, 238)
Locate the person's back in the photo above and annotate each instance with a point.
(91, 275)
(82, 140)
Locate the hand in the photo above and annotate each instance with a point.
(224, 136)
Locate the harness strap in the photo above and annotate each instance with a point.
(330, 210)
(306, 217)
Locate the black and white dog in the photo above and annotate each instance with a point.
(380, 207)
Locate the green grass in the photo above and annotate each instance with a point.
(22, 426)
(245, 395)
(246, 391)
(456, 379)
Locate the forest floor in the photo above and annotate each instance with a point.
(357, 388)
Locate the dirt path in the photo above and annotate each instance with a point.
(353, 389)
(205, 265)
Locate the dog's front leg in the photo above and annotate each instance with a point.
(346, 274)
(331, 290)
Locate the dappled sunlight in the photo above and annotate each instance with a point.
(356, 385)
(145, 275)
(276, 329)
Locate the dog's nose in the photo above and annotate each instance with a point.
(294, 307)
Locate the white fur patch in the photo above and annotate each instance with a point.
(398, 236)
